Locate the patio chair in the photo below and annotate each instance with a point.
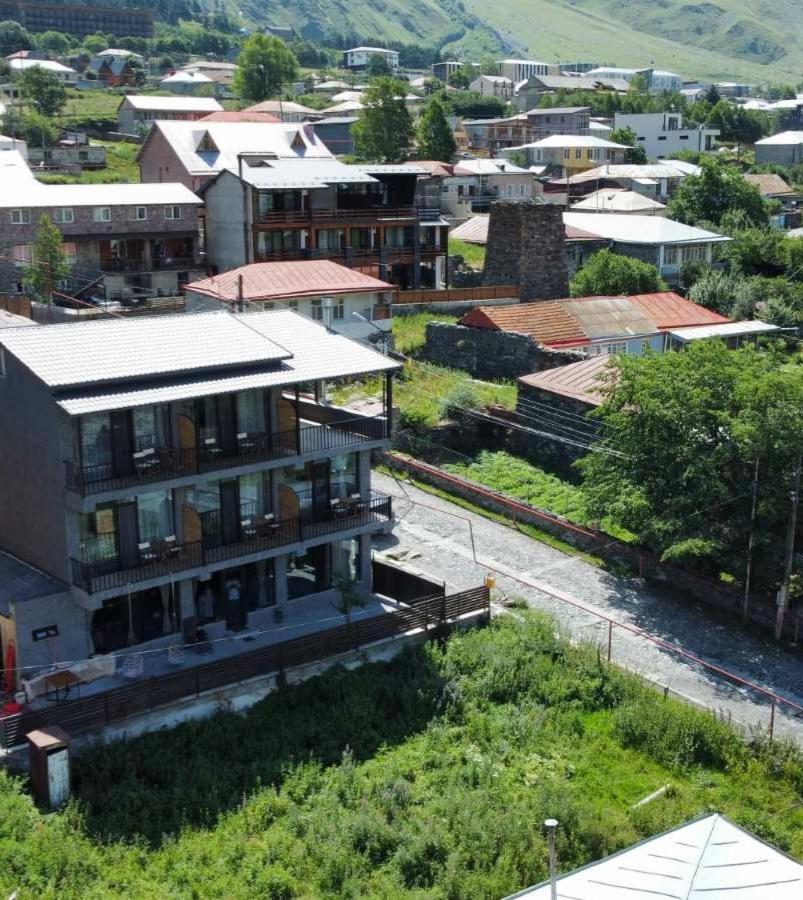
(245, 442)
(146, 461)
(172, 547)
(146, 552)
(248, 529)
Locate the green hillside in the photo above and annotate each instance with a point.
(756, 40)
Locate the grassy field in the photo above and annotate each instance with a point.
(409, 331)
(428, 776)
(83, 105)
(473, 254)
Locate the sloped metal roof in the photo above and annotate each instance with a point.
(705, 859)
(582, 380)
(20, 582)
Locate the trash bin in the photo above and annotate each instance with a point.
(49, 755)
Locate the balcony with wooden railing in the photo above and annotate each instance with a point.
(364, 215)
(104, 568)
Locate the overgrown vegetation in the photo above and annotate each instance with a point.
(121, 167)
(473, 254)
(409, 331)
(426, 776)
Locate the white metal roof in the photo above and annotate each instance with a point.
(187, 76)
(49, 64)
(607, 200)
(391, 169)
(149, 103)
(635, 229)
(122, 349)
(783, 138)
(283, 140)
(316, 354)
(19, 191)
(706, 859)
(723, 330)
(556, 141)
(304, 173)
(666, 169)
(488, 167)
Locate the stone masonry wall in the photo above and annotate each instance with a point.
(527, 246)
(488, 354)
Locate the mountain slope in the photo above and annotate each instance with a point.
(755, 40)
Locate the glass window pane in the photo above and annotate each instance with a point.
(155, 515)
(251, 412)
(97, 440)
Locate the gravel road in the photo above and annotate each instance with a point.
(437, 536)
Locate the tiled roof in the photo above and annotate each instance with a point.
(576, 321)
(475, 231)
(276, 280)
(582, 380)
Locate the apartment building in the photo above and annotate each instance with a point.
(122, 241)
(662, 134)
(521, 69)
(358, 58)
(163, 473)
(492, 86)
(362, 216)
(137, 112)
(493, 135)
(658, 80)
(79, 20)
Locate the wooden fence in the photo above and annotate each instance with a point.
(93, 712)
(18, 304)
(457, 295)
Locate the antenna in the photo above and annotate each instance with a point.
(551, 826)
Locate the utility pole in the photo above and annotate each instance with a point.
(783, 591)
(750, 542)
(551, 826)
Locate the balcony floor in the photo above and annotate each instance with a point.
(302, 616)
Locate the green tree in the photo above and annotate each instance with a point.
(682, 434)
(636, 154)
(717, 190)
(434, 137)
(608, 274)
(48, 263)
(13, 37)
(377, 66)
(264, 65)
(384, 131)
(43, 90)
(94, 43)
(54, 41)
(462, 78)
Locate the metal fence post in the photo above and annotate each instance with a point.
(610, 637)
(772, 718)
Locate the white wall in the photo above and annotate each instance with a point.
(658, 139)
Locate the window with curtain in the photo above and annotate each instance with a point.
(155, 515)
(96, 439)
(343, 474)
(254, 493)
(98, 533)
(251, 412)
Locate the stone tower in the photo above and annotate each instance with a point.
(527, 246)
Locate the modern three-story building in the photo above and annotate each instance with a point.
(173, 472)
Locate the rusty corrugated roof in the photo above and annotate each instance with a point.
(582, 380)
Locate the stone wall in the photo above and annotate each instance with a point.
(527, 246)
(489, 354)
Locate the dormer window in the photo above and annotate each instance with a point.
(298, 142)
(206, 144)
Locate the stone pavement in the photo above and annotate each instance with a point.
(439, 536)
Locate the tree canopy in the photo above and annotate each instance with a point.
(716, 191)
(43, 90)
(384, 131)
(48, 263)
(636, 154)
(264, 65)
(434, 138)
(608, 274)
(13, 37)
(682, 435)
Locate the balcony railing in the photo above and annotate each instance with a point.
(349, 255)
(165, 463)
(262, 534)
(367, 214)
(175, 262)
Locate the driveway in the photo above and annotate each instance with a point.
(438, 536)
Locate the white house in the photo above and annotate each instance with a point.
(359, 57)
(64, 73)
(658, 80)
(785, 148)
(662, 134)
(492, 86)
(345, 300)
(521, 69)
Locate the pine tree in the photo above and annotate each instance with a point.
(433, 135)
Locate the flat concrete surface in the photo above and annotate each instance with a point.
(438, 539)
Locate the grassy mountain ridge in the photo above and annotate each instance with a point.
(755, 40)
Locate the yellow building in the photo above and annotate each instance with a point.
(572, 153)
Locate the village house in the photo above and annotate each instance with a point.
(662, 134)
(658, 81)
(493, 135)
(65, 74)
(137, 112)
(783, 149)
(773, 187)
(194, 477)
(285, 110)
(518, 70)
(113, 71)
(492, 86)
(190, 84)
(307, 208)
(657, 180)
(122, 241)
(344, 300)
(569, 154)
(529, 93)
(195, 152)
(217, 71)
(617, 200)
